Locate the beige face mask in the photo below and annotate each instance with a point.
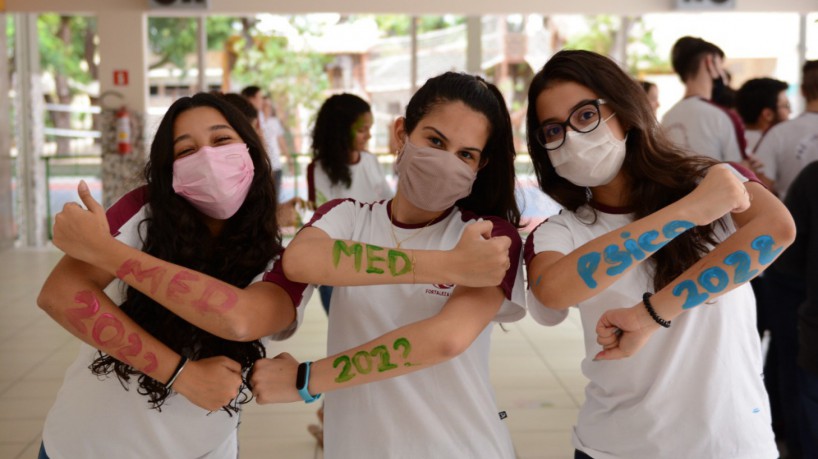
(432, 179)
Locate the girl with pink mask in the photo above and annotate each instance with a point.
(162, 372)
(656, 249)
(405, 302)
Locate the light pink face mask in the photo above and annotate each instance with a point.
(432, 179)
(215, 180)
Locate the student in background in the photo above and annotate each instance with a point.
(696, 123)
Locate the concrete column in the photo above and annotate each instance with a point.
(122, 48)
(474, 45)
(8, 234)
(29, 111)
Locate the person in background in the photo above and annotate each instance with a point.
(782, 151)
(797, 270)
(273, 132)
(696, 123)
(655, 248)
(342, 167)
(762, 103)
(652, 92)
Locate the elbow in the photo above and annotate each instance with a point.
(551, 297)
(47, 300)
(241, 331)
(453, 345)
(293, 266)
(785, 230)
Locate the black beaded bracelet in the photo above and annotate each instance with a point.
(652, 312)
(177, 372)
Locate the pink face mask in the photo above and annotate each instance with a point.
(215, 180)
(432, 179)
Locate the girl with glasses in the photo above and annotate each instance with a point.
(655, 248)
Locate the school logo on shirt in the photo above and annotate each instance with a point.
(440, 289)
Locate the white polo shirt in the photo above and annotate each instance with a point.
(785, 149)
(702, 128)
(443, 411)
(96, 417)
(368, 182)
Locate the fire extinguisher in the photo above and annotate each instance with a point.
(123, 131)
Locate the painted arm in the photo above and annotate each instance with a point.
(560, 281)
(72, 295)
(764, 231)
(222, 309)
(478, 260)
(405, 350)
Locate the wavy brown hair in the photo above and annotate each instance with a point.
(657, 172)
(174, 231)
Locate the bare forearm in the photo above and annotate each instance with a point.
(210, 304)
(737, 260)
(599, 263)
(84, 310)
(346, 263)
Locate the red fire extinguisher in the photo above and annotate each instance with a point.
(123, 131)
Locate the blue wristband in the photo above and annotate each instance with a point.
(302, 383)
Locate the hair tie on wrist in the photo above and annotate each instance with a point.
(652, 312)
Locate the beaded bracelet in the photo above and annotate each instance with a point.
(177, 372)
(652, 312)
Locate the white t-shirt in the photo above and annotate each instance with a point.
(694, 390)
(272, 129)
(443, 411)
(95, 417)
(368, 182)
(783, 150)
(702, 128)
(752, 136)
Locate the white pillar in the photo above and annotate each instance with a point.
(7, 233)
(30, 122)
(122, 48)
(474, 45)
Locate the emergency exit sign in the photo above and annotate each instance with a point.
(179, 4)
(709, 5)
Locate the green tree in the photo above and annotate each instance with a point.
(604, 33)
(172, 40)
(68, 52)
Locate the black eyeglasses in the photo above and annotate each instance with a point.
(584, 118)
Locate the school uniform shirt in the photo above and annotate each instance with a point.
(695, 390)
(368, 182)
(701, 127)
(96, 417)
(443, 411)
(785, 149)
(272, 129)
(752, 136)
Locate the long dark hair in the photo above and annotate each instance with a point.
(332, 136)
(493, 189)
(175, 232)
(658, 173)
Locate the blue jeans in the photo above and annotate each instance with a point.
(808, 390)
(326, 294)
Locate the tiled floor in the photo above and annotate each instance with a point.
(535, 371)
